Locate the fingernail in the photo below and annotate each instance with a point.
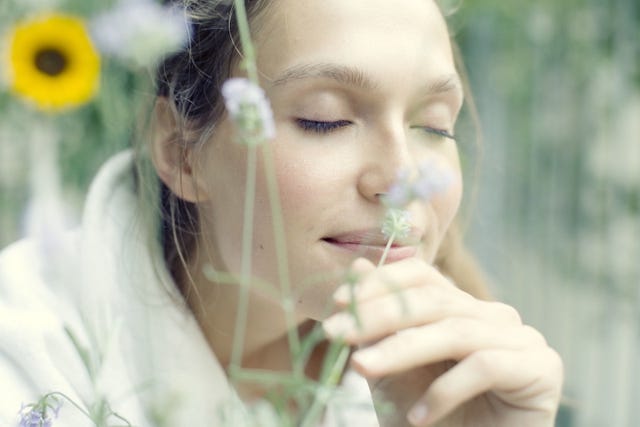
(344, 294)
(339, 325)
(418, 414)
(362, 265)
(368, 357)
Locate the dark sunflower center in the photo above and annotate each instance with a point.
(51, 61)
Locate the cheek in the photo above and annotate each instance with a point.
(448, 203)
(296, 181)
(307, 182)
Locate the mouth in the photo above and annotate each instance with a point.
(372, 244)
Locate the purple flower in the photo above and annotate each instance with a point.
(41, 414)
(431, 181)
(249, 107)
(35, 418)
(399, 194)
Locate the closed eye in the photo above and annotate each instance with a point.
(435, 131)
(321, 126)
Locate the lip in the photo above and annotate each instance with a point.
(371, 244)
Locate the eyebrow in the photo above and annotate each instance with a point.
(346, 75)
(355, 77)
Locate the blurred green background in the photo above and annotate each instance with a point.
(556, 217)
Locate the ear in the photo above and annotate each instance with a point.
(172, 156)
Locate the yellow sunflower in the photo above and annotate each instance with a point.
(52, 62)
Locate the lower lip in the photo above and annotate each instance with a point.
(374, 253)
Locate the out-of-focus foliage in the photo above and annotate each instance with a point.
(558, 90)
(88, 134)
(557, 217)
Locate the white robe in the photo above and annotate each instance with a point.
(148, 357)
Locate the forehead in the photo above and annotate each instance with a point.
(385, 38)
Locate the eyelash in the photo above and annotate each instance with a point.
(322, 127)
(438, 132)
(317, 126)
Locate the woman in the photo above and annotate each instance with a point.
(361, 91)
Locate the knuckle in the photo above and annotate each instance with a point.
(461, 330)
(483, 361)
(556, 362)
(431, 297)
(440, 394)
(417, 262)
(534, 336)
(552, 367)
(506, 312)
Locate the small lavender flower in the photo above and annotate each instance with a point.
(396, 224)
(35, 419)
(249, 107)
(41, 414)
(430, 181)
(140, 31)
(399, 194)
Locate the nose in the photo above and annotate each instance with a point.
(386, 157)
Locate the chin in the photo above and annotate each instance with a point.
(316, 303)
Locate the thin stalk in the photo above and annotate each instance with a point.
(249, 200)
(245, 40)
(394, 289)
(245, 262)
(223, 278)
(282, 260)
(324, 390)
(269, 378)
(276, 209)
(68, 399)
(45, 177)
(383, 258)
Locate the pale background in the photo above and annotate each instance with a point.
(556, 221)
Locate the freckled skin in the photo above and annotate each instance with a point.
(342, 138)
(328, 182)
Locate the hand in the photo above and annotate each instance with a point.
(440, 355)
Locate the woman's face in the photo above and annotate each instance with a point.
(357, 88)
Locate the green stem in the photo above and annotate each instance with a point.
(249, 62)
(268, 378)
(392, 287)
(245, 262)
(248, 51)
(323, 393)
(223, 278)
(68, 399)
(247, 228)
(82, 410)
(282, 259)
(387, 248)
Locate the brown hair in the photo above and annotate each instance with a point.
(191, 80)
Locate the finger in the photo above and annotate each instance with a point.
(386, 314)
(449, 339)
(530, 381)
(362, 266)
(359, 268)
(388, 279)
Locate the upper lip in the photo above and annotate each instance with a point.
(374, 237)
